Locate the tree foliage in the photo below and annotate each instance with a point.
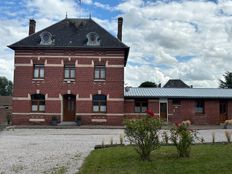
(5, 86)
(148, 84)
(227, 83)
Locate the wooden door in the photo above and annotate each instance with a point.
(223, 108)
(163, 111)
(69, 107)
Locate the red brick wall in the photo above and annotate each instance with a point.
(54, 84)
(185, 111)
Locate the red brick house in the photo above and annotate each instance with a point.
(199, 105)
(75, 68)
(72, 68)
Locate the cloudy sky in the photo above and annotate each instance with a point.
(168, 39)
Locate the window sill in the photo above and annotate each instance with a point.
(99, 80)
(69, 80)
(39, 79)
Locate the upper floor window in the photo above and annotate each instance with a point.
(99, 103)
(38, 71)
(141, 105)
(69, 71)
(200, 106)
(100, 72)
(37, 103)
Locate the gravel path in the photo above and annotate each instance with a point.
(38, 151)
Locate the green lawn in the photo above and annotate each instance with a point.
(205, 159)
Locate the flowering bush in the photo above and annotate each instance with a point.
(182, 138)
(143, 133)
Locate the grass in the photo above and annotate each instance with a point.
(205, 159)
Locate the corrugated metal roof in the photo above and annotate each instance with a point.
(178, 93)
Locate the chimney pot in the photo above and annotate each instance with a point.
(120, 22)
(32, 24)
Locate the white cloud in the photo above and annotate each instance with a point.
(156, 32)
(163, 31)
(104, 6)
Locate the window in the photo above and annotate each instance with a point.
(100, 72)
(69, 71)
(38, 71)
(140, 106)
(199, 106)
(176, 102)
(223, 107)
(99, 103)
(37, 103)
(93, 39)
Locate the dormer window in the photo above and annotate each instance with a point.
(46, 38)
(93, 39)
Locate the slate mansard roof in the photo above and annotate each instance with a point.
(209, 93)
(71, 34)
(175, 83)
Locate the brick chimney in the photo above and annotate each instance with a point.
(120, 21)
(32, 26)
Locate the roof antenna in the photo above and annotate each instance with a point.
(89, 15)
(66, 16)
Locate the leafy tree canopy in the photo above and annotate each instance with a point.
(148, 84)
(5, 86)
(227, 83)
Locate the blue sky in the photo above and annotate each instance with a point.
(168, 39)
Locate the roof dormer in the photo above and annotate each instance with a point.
(93, 39)
(46, 38)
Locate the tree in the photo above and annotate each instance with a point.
(148, 84)
(5, 86)
(228, 80)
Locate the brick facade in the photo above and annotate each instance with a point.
(184, 111)
(54, 86)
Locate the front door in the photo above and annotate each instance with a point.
(69, 107)
(163, 111)
(223, 107)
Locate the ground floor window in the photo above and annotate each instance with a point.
(99, 103)
(37, 103)
(141, 105)
(200, 106)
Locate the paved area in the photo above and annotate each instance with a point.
(45, 150)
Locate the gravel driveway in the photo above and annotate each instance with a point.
(47, 150)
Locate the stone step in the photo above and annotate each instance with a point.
(67, 123)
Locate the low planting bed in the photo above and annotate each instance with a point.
(205, 159)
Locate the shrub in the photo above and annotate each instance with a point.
(143, 133)
(182, 138)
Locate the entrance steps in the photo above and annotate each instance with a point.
(67, 123)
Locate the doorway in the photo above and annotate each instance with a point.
(163, 111)
(223, 107)
(69, 107)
